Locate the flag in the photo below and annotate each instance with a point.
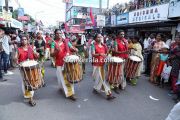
(92, 17)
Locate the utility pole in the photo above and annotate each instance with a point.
(100, 6)
(6, 5)
(107, 4)
(6, 9)
(100, 12)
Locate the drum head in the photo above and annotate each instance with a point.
(72, 58)
(29, 63)
(135, 58)
(116, 59)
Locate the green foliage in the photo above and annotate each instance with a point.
(15, 16)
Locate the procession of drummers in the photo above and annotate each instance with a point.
(116, 62)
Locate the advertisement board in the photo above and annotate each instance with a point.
(90, 3)
(108, 20)
(100, 20)
(113, 20)
(174, 9)
(123, 19)
(155, 13)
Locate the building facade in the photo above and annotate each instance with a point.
(78, 14)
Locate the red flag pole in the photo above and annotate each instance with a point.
(92, 17)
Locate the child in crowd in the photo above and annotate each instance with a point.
(163, 57)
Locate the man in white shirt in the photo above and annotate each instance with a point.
(148, 53)
(4, 52)
(146, 41)
(146, 44)
(169, 40)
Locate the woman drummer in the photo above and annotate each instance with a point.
(136, 49)
(121, 51)
(26, 52)
(79, 50)
(99, 53)
(59, 49)
(40, 48)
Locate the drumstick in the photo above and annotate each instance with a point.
(115, 77)
(120, 73)
(130, 68)
(123, 65)
(135, 70)
(111, 73)
(127, 66)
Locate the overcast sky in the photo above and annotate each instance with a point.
(49, 11)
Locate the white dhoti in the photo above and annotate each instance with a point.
(27, 94)
(100, 82)
(63, 82)
(47, 53)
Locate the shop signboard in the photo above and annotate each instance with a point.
(155, 13)
(100, 20)
(89, 24)
(108, 20)
(113, 20)
(174, 8)
(123, 19)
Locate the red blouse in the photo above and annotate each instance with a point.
(26, 54)
(59, 56)
(122, 46)
(99, 60)
(47, 42)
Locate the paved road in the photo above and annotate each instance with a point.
(132, 104)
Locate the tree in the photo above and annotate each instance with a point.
(15, 14)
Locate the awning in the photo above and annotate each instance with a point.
(16, 24)
(149, 24)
